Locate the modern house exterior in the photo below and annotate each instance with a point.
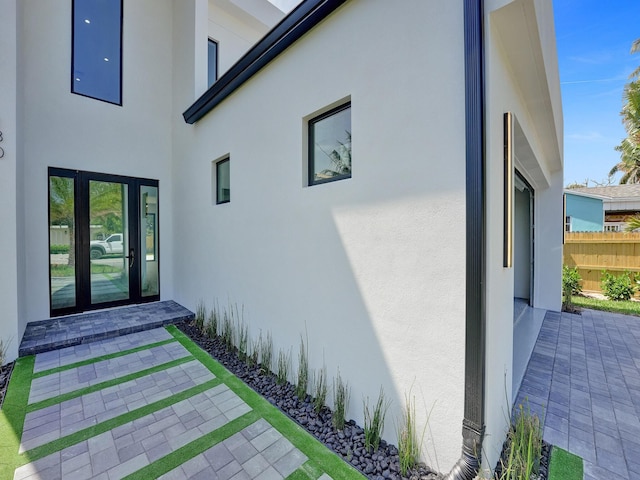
(382, 178)
(619, 203)
(583, 212)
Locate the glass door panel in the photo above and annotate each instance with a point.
(62, 242)
(109, 241)
(149, 258)
(103, 240)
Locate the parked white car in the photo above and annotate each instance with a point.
(111, 245)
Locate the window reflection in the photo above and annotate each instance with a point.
(97, 42)
(62, 245)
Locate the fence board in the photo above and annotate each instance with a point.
(593, 252)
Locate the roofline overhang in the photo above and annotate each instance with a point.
(292, 27)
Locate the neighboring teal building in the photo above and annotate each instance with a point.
(583, 212)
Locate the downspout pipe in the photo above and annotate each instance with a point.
(468, 466)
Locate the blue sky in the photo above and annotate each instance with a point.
(594, 38)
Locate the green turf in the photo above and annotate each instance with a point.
(564, 465)
(626, 307)
(15, 408)
(13, 413)
(107, 425)
(308, 471)
(89, 361)
(317, 452)
(109, 383)
(195, 448)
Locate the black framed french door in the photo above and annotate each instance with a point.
(103, 240)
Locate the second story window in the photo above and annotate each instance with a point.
(96, 58)
(223, 181)
(212, 55)
(330, 145)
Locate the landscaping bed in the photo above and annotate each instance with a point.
(543, 469)
(348, 443)
(5, 375)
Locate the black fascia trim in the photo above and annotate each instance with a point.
(301, 20)
(475, 212)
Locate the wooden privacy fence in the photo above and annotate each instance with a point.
(593, 252)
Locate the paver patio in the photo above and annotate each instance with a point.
(584, 378)
(148, 405)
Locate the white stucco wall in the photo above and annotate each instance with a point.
(511, 31)
(70, 131)
(236, 30)
(371, 268)
(10, 331)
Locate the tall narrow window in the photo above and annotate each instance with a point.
(213, 61)
(330, 145)
(223, 182)
(62, 241)
(96, 70)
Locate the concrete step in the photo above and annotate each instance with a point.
(60, 332)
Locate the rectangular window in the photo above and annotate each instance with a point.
(96, 58)
(330, 145)
(212, 61)
(223, 182)
(62, 241)
(567, 224)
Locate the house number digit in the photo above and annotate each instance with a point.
(1, 149)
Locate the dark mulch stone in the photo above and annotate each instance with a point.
(348, 443)
(5, 375)
(543, 470)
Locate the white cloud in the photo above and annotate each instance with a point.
(588, 136)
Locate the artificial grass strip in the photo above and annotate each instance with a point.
(79, 436)
(109, 383)
(193, 449)
(564, 465)
(13, 413)
(316, 451)
(308, 471)
(108, 356)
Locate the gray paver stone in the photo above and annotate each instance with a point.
(290, 462)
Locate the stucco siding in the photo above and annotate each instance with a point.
(70, 131)
(10, 329)
(370, 268)
(513, 27)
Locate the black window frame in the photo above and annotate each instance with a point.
(311, 145)
(218, 166)
(217, 44)
(73, 57)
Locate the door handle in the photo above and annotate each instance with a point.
(131, 257)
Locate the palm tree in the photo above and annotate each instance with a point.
(629, 148)
(633, 223)
(61, 209)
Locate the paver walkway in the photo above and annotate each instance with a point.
(584, 377)
(148, 405)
